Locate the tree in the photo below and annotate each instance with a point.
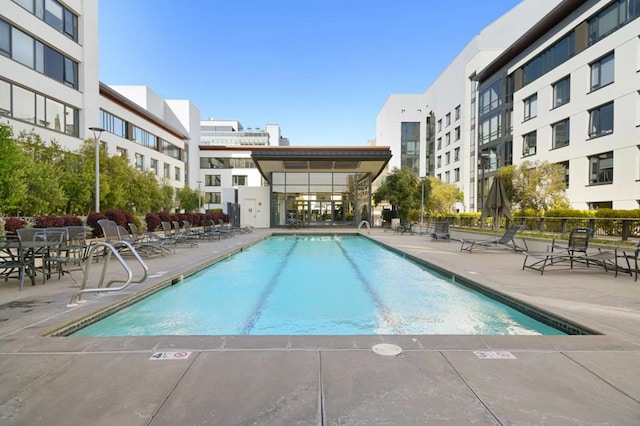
(187, 199)
(535, 185)
(442, 196)
(12, 181)
(402, 189)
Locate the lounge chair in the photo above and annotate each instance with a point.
(441, 231)
(114, 233)
(506, 241)
(574, 253)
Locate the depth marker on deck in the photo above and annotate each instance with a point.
(494, 355)
(170, 356)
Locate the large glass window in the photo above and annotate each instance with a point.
(113, 124)
(562, 91)
(490, 129)
(410, 146)
(55, 115)
(139, 162)
(5, 38)
(212, 180)
(24, 104)
(560, 132)
(601, 120)
(602, 72)
(529, 144)
(5, 98)
(239, 180)
(491, 98)
(531, 107)
(611, 18)
(53, 13)
(22, 48)
(549, 59)
(601, 168)
(212, 197)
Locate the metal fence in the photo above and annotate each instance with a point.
(607, 228)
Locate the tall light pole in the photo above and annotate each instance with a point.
(199, 196)
(483, 156)
(97, 131)
(422, 206)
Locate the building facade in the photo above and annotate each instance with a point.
(568, 93)
(435, 133)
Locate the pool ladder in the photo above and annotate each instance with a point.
(110, 249)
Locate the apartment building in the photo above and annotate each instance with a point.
(567, 92)
(434, 133)
(49, 83)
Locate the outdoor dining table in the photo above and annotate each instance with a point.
(31, 250)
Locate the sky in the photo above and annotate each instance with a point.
(322, 70)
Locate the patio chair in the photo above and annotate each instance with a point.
(58, 252)
(441, 231)
(576, 247)
(13, 259)
(182, 237)
(506, 241)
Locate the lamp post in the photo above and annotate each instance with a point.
(199, 196)
(483, 156)
(97, 131)
(422, 206)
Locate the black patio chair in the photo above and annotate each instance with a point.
(441, 231)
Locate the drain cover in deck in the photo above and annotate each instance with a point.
(387, 349)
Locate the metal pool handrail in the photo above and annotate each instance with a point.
(112, 249)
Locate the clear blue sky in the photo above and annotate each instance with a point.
(322, 69)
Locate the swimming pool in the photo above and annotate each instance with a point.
(316, 285)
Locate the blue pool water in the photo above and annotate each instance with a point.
(316, 285)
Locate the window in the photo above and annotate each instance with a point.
(212, 180)
(601, 120)
(490, 98)
(121, 152)
(22, 49)
(153, 166)
(530, 107)
(5, 38)
(239, 180)
(213, 198)
(439, 143)
(167, 171)
(490, 129)
(456, 133)
(447, 176)
(440, 124)
(144, 138)
(211, 163)
(602, 72)
(171, 150)
(447, 158)
(439, 161)
(456, 175)
(611, 18)
(565, 166)
(139, 162)
(54, 14)
(448, 119)
(562, 91)
(177, 173)
(549, 59)
(529, 144)
(456, 154)
(24, 104)
(457, 113)
(447, 139)
(560, 133)
(601, 168)
(5, 98)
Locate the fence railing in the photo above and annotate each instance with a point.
(608, 228)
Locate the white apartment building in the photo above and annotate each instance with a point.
(49, 83)
(434, 133)
(570, 87)
(49, 68)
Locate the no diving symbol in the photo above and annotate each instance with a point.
(168, 356)
(250, 210)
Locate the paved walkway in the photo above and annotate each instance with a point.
(325, 380)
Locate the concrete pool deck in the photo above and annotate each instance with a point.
(324, 380)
